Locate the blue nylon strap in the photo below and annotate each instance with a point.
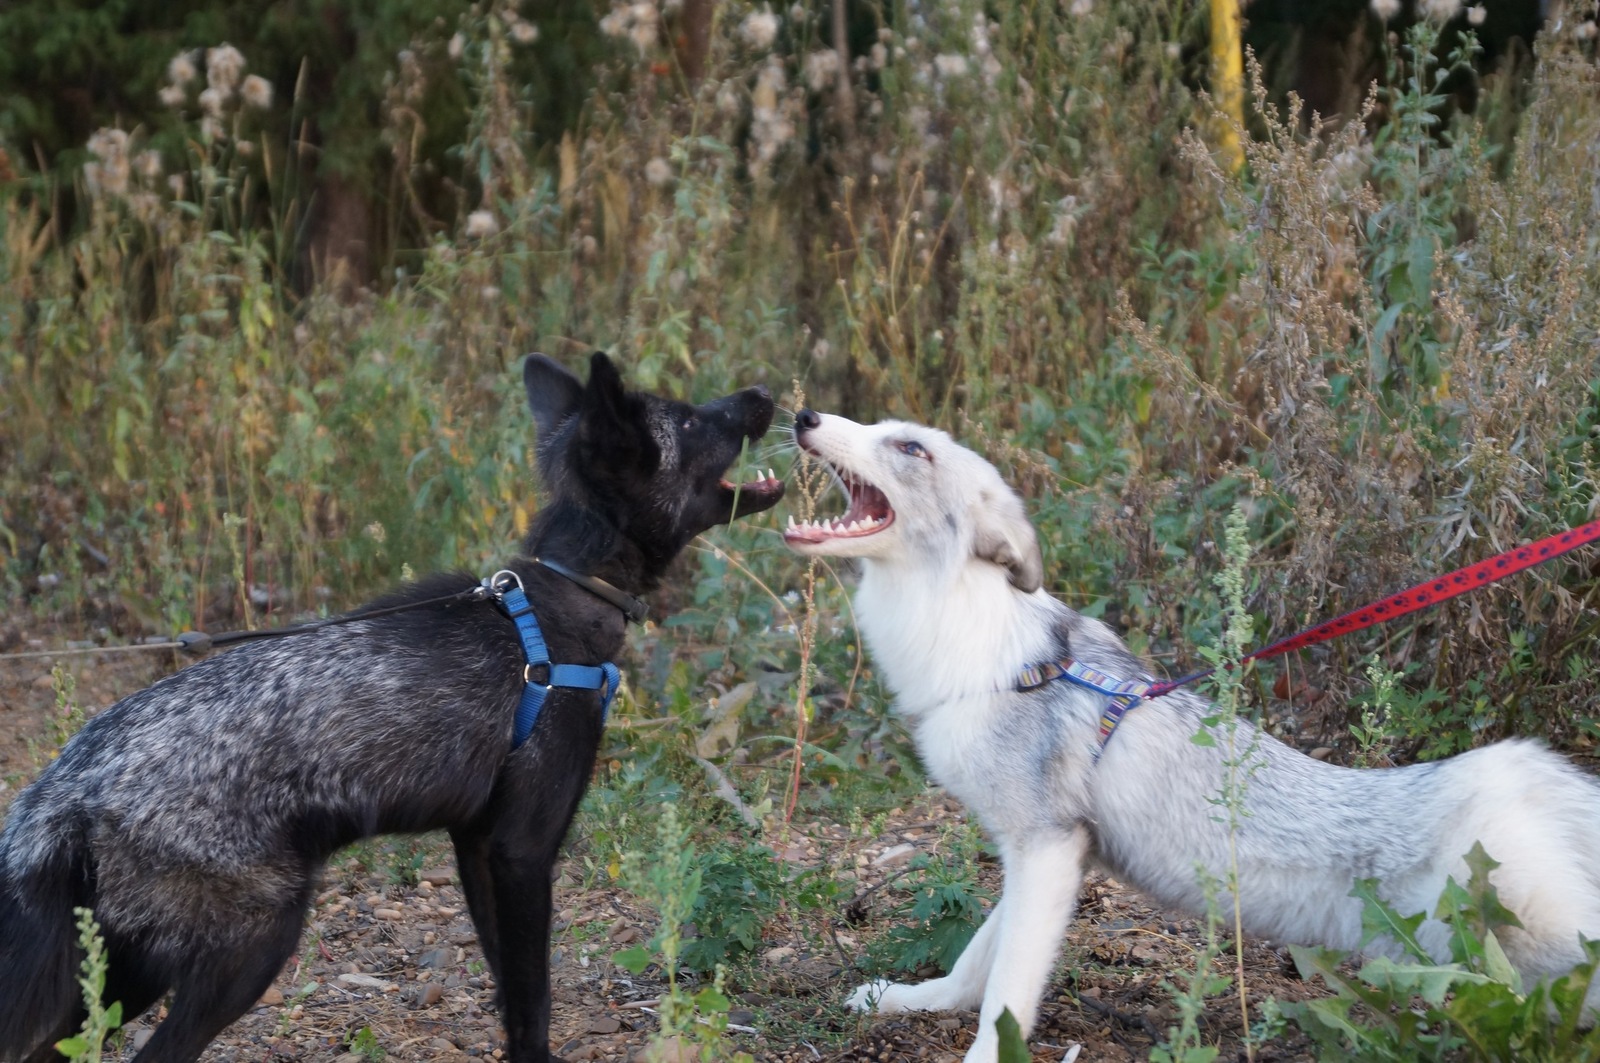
(605, 678)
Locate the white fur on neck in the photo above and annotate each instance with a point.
(938, 634)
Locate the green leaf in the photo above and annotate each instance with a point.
(73, 1046)
(1497, 966)
(1327, 1021)
(633, 960)
(711, 1001)
(1013, 1049)
(1377, 353)
(1429, 981)
(1379, 919)
(1419, 268)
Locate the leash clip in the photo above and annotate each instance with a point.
(500, 583)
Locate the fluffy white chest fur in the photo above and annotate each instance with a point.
(951, 610)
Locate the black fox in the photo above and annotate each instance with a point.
(194, 817)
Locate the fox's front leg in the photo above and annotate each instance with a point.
(1041, 890)
(961, 989)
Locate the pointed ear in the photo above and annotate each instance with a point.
(614, 423)
(1005, 537)
(553, 393)
(606, 390)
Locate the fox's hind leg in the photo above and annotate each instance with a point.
(135, 996)
(217, 986)
(477, 885)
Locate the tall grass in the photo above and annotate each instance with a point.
(1019, 231)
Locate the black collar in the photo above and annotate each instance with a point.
(631, 607)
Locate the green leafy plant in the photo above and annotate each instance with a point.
(944, 904)
(102, 1019)
(1412, 160)
(1474, 1007)
(740, 889)
(669, 880)
(1239, 761)
(365, 1044)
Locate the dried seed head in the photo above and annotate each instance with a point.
(256, 92)
(759, 29)
(658, 171)
(822, 69)
(108, 174)
(181, 69)
(1441, 10)
(148, 164)
(480, 224)
(224, 64)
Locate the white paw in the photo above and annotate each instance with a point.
(881, 996)
(984, 1050)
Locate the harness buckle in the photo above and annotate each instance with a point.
(529, 674)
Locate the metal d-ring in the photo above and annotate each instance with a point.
(501, 581)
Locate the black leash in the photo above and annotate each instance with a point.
(198, 642)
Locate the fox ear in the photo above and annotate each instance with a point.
(614, 421)
(1005, 537)
(606, 390)
(553, 393)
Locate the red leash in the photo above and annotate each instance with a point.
(1410, 600)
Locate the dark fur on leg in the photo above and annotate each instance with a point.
(194, 816)
(39, 995)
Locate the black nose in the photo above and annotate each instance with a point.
(807, 419)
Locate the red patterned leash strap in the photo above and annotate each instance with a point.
(1431, 592)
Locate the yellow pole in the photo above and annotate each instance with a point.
(1227, 79)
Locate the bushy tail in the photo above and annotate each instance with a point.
(39, 993)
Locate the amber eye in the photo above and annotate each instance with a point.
(911, 448)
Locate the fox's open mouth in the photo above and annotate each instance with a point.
(869, 514)
(752, 497)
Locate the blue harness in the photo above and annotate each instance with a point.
(506, 586)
